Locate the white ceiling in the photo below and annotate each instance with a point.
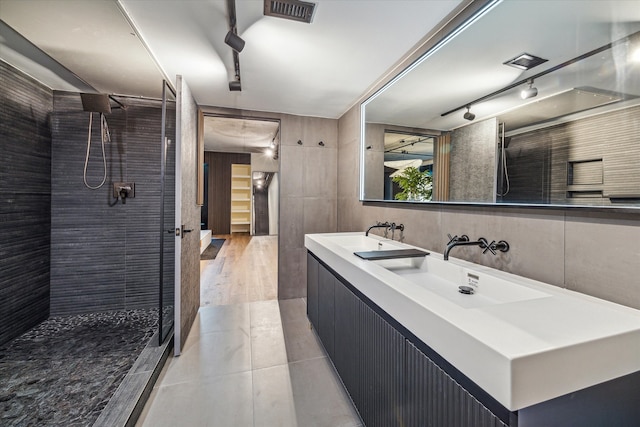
(128, 46)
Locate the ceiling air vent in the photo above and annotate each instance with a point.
(295, 10)
(525, 61)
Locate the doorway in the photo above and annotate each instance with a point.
(240, 213)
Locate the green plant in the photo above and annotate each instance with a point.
(415, 185)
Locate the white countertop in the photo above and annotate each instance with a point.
(533, 343)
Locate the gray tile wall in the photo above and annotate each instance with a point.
(25, 214)
(594, 253)
(104, 254)
(308, 194)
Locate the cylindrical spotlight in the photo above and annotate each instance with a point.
(235, 86)
(469, 115)
(234, 40)
(528, 93)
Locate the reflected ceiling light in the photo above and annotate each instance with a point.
(234, 41)
(529, 92)
(635, 56)
(269, 152)
(469, 115)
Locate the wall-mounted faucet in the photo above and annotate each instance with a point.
(384, 225)
(463, 241)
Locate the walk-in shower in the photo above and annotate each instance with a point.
(110, 266)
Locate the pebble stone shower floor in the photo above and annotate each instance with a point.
(64, 371)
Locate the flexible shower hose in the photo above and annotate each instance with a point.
(104, 134)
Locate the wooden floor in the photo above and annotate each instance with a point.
(245, 270)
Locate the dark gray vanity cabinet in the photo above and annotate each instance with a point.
(369, 356)
(326, 311)
(391, 381)
(312, 290)
(396, 379)
(433, 398)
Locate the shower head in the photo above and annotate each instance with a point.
(96, 102)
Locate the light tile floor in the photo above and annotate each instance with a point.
(250, 364)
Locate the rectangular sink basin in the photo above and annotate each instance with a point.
(362, 243)
(445, 279)
(391, 254)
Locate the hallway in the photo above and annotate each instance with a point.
(248, 362)
(245, 270)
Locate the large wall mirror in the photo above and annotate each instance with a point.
(526, 102)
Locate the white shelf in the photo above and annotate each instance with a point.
(241, 198)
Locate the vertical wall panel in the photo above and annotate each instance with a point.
(25, 213)
(105, 254)
(472, 176)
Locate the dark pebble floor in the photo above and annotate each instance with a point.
(64, 371)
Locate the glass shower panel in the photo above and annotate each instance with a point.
(167, 213)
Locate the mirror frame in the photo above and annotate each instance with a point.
(463, 17)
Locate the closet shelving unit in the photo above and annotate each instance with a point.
(241, 198)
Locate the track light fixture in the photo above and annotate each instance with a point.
(235, 85)
(469, 115)
(530, 92)
(234, 41)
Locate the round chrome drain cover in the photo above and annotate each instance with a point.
(467, 290)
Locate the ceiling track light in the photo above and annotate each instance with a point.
(235, 85)
(530, 92)
(234, 41)
(469, 115)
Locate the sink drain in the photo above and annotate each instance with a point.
(467, 290)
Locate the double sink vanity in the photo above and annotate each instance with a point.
(413, 350)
